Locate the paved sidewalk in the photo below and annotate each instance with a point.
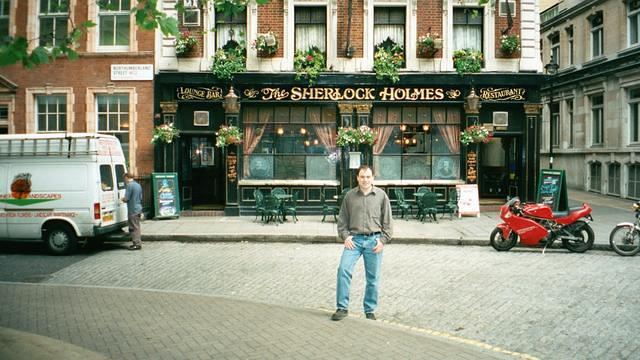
(607, 211)
(144, 324)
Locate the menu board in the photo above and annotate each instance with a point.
(468, 201)
(552, 189)
(166, 200)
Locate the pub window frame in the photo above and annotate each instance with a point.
(466, 19)
(390, 17)
(233, 22)
(309, 18)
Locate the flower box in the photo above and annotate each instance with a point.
(266, 44)
(228, 135)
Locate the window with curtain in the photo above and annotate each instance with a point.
(4, 19)
(51, 112)
(389, 23)
(311, 28)
(597, 118)
(596, 35)
(113, 23)
(467, 28)
(113, 117)
(555, 122)
(634, 21)
(634, 115)
(416, 143)
(633, 181)
(614, 178)
(53, 16)
(290, 142)
(233, 27)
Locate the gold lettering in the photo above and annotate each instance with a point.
(439, 94)
(295, 93)
(386, 93)
(370, 95)
(349, 94)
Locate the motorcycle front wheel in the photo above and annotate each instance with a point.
(500, 243)
(625, 240)
(584, 232)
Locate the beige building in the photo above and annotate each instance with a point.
(594, 99)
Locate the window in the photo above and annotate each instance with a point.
(191, 15)
(114, 23)
(467, 28)
(634, 181)
(120, 177)
(106, 178)
(555, 47)
(4, 19)
(53, 19)
(614, 178)
(311, 28)
(634, 115)
(51, 112)
(230, 28)
(597, 114)
(570, 44)
(504, 9)
(634, 22)
(113, 117)
(290, 142)
(569, 104)
(555, 123)
(595, 169)
(389, 24)
(596, 34)
(4, 119)
(416, 143)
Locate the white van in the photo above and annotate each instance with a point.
(61, 188)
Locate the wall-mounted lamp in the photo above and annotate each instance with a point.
(403, 127)
(230, 104)
(472, 103)
(350, 51)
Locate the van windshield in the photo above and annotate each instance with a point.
(120, 176)
(106, 178)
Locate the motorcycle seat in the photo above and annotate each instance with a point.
(557, 214)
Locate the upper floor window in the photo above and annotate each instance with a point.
(4, 19)
(596, 21)
(467, 28)
(389, 23)
(191, 15)
(570, 44)
(113, 117)
(311, 28)
(53, 17)
(51, 112)
(634, 22)
(634, 115)
(114, 23)
(230, 28)
(555, 47)
(569, 104)
(507, 7)
(597, 119)
(4, 119)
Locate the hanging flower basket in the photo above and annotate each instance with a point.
(308, 64)
(387, 60)
(228, 135)
(355, 136)
(227, 62)
(429, 44)
(164, 134)
(266, 44)
(186, 42)
(509, 44)
(474, 134)
(467, 61)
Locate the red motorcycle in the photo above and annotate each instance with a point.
(537, 224)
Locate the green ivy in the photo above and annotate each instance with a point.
(228, 61)
(308, 64)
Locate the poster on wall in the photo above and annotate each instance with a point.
(468, 201)
(166, 199)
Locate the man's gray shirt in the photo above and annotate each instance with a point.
(365, 214)
(133, 197)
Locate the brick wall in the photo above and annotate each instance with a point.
(429, 16)
(501, 24)
(357, 27)
(270, 19)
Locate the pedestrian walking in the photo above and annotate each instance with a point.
(133, 198)
(364, 223)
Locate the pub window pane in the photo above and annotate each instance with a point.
(467, 28)
(229, 28)
(310, 28)
(389, 23)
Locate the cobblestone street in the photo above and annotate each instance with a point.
(552, 305)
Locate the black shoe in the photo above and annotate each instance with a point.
(370, 316)
(339, 315)
(135, 247)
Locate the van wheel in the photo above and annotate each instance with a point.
(60, 239)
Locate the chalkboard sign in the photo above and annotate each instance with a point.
(552, 189)
(468, 201)
(166, 199)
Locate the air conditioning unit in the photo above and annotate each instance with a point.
(500, 118)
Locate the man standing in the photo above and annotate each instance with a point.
(364, 223)
(133, 198)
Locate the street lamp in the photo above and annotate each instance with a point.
(552, 69)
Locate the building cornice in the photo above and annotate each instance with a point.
(570, 13)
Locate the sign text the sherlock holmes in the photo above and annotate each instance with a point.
(355, 93)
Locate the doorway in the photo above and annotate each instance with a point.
(500, 167)
(203, 186)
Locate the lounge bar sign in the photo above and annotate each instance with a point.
(199, 93)
(502, 94)
(296, 93)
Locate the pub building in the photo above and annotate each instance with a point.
(290, 128)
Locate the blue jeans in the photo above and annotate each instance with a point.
(363, 246)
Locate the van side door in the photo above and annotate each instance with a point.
(108, 195)
(4, 194)
(121, 212)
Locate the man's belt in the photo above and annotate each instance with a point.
(370, 234)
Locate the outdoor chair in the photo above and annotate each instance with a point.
(259, 197)
(422, 189)
(402, 205)
(427, 206)
(290, 207)
(278, 190)
(451, 206)
(328, 209)
(272, 209)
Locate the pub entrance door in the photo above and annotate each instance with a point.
(203, 186)
(500, 167)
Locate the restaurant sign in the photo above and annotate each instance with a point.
(502, 94)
